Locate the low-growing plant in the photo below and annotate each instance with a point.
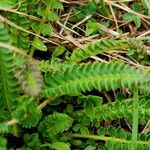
(70, 101)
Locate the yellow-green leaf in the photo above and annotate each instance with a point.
(39, 45)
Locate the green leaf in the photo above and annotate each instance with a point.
(86, 77)
(32, 141)
(42, 12)
(19, 61)
(35, 26)
(8, 84)
(52, 16)
(136, 7)
(89, 110)
(132, 17)
(92, 27)
(55, 124)
(84, 131)
(103, 9)
(77, 127)
(46, 29)
(57, 4)
(90, 148)
(48, 2)
(137, 21)
(111, 130)
(95, 100)
(90, 102)
(3, 144)
(121, 133)
(76, 143)
(130, 51)
(89, 31)
(101, 131)
(58, 51)
(6, 4)
(128, 17)
(39, 45)
(4, 128)
(60, 146)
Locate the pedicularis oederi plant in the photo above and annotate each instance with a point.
(69, 81)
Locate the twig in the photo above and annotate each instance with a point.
(113, 14)
(67, 18)
(82, 21)
(125, 8)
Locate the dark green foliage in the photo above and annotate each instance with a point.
(90, 102)
(32, 141)
(77, 98)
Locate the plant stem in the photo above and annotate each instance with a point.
(135, 120)
(105, 138)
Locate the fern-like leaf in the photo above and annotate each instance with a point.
(20, 39)
(106, 45)
(97, 48)
(120, 109)
(8, 84)
(55, 124)
(85, 77)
